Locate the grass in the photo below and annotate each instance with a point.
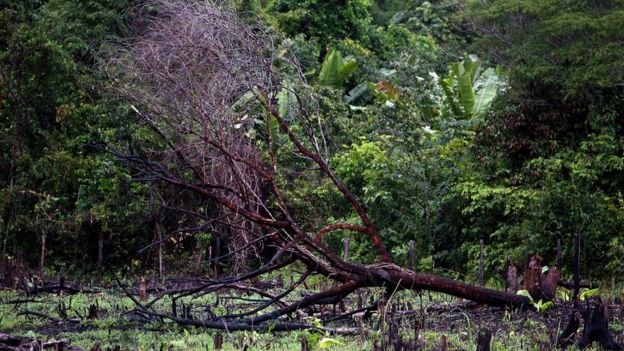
(512, 330)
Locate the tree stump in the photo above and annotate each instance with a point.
(567, 336)
(93, 312)
(533, 276)
(142, 290)
(443, 344)
(305, 346)
(484, 339)
(218, 341)
(549, 284)
(511, 277)
(597, 329)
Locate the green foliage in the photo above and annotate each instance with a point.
(437, 19)
(588, 293)
(469, 89)
(540, 305)
(335, 70)
(53, 183)
(439, 151)
(573, 45)
(326, 21)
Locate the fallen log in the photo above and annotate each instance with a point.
(63, 288)
(20, 343)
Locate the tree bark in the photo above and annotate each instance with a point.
(533, 276)
(42, 255)
(159, 251)
(100, 257)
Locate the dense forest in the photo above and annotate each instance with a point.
(451, 137)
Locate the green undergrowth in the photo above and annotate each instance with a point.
(114, 327)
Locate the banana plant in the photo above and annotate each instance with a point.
(335, 69)
(469, 90)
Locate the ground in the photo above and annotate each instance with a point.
(419, 319)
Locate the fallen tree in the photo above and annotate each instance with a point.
(19, 343)
(227, 107)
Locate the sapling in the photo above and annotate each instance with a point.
(539, 305)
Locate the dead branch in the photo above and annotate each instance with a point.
(18, 343)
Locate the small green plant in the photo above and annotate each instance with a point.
(321, 340)
(328, 342)
(563, 295)
(588, 293)
(540, 305)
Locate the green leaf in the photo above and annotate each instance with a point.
(328, 342)
(345, 70)
(488, 84)
(542, 306)
(335, 70)
(469, 91)
(283, 101)
(329, 70)
(589, 293)
(525, 293)
(446, 85)
(465, 89)
(356, 92)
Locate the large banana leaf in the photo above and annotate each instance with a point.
(357, 92)
(469, 90)
(466, 73)
(335, 70)
(487, 85)
(345, 70)
(329, 69)
(447, 88)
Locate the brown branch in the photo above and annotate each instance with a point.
(373, 233)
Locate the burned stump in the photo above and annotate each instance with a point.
(511, 277)
(597, 329)
(533, 276)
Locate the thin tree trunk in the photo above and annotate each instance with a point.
(199, 261)
(577, 267)
(410, 255)
(42, 255)
(481, 263)
(217, 253)
(100, 259)
(345, 249)
(160, 251)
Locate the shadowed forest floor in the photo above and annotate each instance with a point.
(422, 321)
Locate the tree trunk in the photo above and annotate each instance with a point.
(42, 255)
(481, 264)
(484, 340)
(511, 277)
(549, 284)
(100, 258)
(597, 330)
(159, 251)
(533, 276)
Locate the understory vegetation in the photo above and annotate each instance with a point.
(434, 135)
